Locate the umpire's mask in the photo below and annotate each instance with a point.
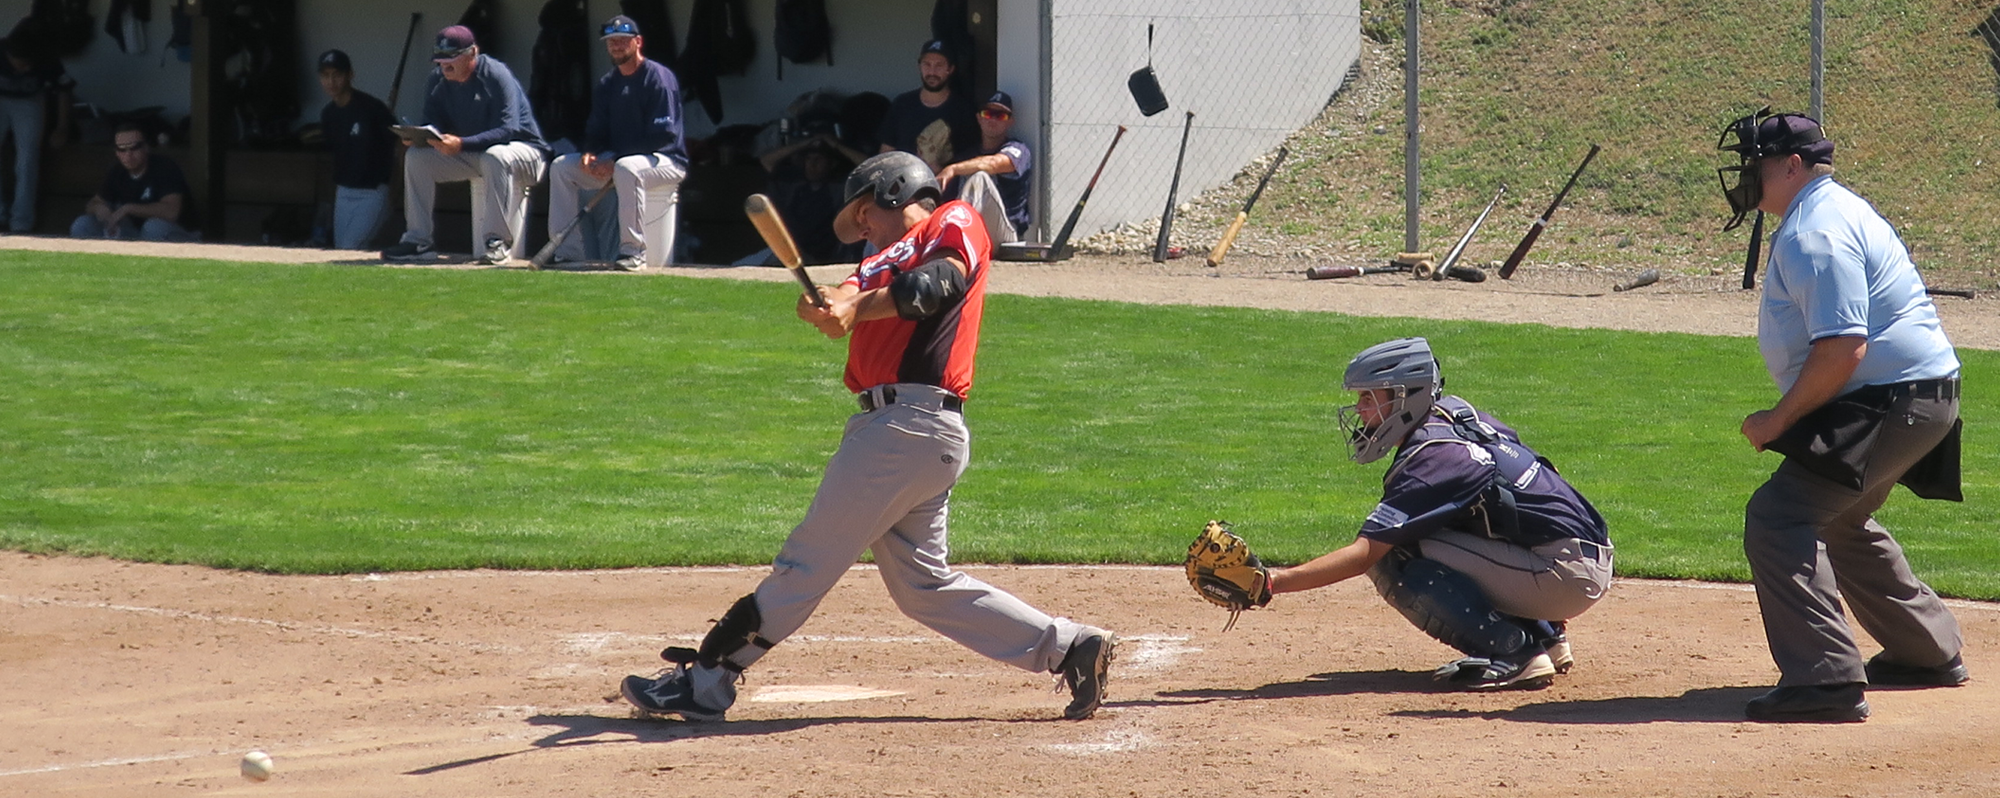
(1763, 135)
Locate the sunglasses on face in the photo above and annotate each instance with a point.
(130, 147)
(619, 29)
(997, 116)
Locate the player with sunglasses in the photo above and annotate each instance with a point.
(996, 180)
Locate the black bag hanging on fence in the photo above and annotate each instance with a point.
(656, 26)
(483, 18)
(802, 33)
(559, 88)
(1145, 85)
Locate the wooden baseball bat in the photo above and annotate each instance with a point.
(1236, 226)
(1451, 257)
(1535, 231)
(764, 216)
(548, 250)
(1173, 190)
(1069, 225)
(396, 86)
(1962, 294)
(1750, 258)
(1342, 272)
(1640, 280)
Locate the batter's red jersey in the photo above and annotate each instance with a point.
(934, 351)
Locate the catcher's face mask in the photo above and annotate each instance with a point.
(1375, 424)
(1751, 139)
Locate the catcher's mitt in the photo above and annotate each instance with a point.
(1226, 573)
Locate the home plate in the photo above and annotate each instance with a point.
(816, 693)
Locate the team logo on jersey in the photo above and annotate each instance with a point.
(356, 130)
(1386, 516)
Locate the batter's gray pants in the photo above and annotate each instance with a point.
(1812, 542)
(358, 215)
(633, 175)
(1551, 582)
(507, 168)
(887, 491)
(22, 116)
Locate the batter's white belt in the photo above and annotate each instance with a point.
(928, 397)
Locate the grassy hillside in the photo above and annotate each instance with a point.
(1515, 91)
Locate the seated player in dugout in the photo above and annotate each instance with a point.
(1477, 540)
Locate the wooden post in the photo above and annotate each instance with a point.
(209, 118)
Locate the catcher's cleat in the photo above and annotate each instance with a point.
(670, 693)
(1086, 669)
(1526, 671)
(1558, 648)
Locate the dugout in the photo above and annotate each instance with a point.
(1253, 71)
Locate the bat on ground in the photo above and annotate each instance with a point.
(1059, 249)
(1459, 248)
(1949, 292)
(1173, 191)
(1750, 258)
(1535, 231)
(1640, 280)
(1342, 272)
(764, 216)
(548, 250)
(396, 86)
(1236, 226)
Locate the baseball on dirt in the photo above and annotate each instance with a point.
(257, 766)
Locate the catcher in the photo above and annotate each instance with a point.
(1477, 540)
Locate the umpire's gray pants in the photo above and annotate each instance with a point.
(508, 170)
(887, 491)
(1811, 543)
(23, 117)
(633, 176)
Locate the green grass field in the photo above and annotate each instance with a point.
(333, 419)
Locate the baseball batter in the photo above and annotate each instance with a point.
(911, 315)
(1477, 540)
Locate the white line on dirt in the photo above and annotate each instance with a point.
(717, 569)
(1152, 653)
(289, 626)
(136, 760)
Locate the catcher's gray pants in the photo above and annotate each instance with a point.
(633, 175)
(508, 170)
(358, 215)
(22, 116)
(1551, 582)
(886, 491)
(1812, 543)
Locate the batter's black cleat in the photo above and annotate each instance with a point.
(670, 693)
(1529, 670)
(1884, 672)
(1085, 669)
(1813, 703)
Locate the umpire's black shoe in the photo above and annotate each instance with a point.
(1884, 672)
(1085, 669)
(1815, 703)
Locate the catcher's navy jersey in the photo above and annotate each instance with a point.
(938, 350)
(1442, 479)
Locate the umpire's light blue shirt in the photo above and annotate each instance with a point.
(1838, 269)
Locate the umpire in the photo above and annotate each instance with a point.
(1870, 398)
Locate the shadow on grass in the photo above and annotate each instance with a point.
(1703, 705)
(580, 730)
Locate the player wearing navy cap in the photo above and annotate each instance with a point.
(1477, 540)
(995, 181)
(911, 315)
(1869, 398)
(356, 126)
(632, 140)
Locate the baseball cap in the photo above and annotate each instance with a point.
(1002, 100)
(936, 46)
(1797, 134)
(452, 42)
(620, 25)
(335, 59)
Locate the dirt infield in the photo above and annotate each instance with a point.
(148, 680)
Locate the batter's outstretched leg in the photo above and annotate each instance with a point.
(702, 683)
(1449, 606)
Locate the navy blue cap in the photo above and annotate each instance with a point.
(620, 25)
(1797, 134)
(1001, 99)
(335, 59)
(936, 46)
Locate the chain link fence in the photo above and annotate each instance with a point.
(1251, 72)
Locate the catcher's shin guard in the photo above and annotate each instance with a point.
(1447, 605)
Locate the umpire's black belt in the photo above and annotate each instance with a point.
(1943, 390)
(882, 396)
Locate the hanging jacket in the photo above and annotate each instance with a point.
(719, 43)
(656, 26)
(483, 17)
(802, 33)
(559, 86)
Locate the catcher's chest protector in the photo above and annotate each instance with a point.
(1515, 466)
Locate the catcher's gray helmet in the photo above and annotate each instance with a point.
(1406, 369)
(892, 180)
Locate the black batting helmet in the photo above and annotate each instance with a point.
(892, 180)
